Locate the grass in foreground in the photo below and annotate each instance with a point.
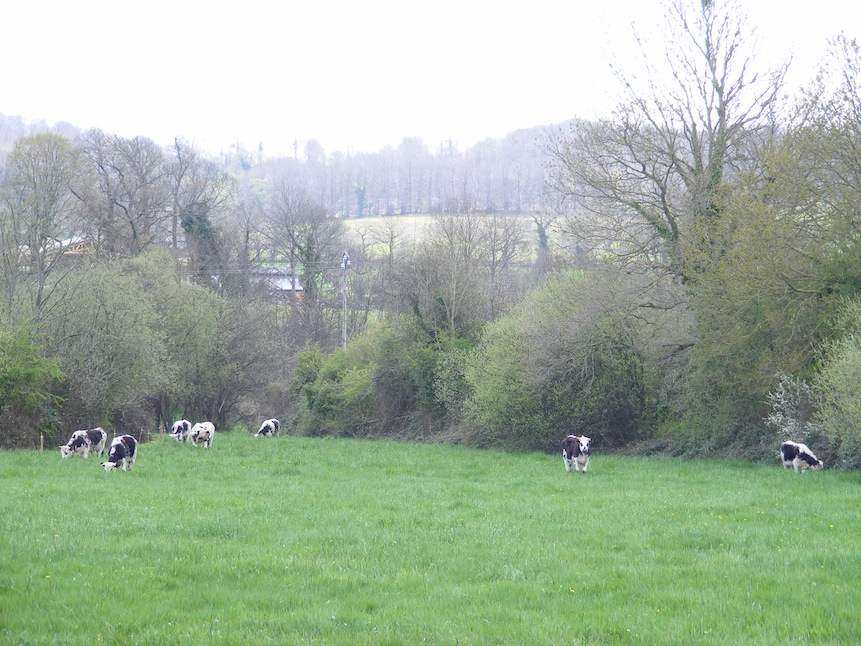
(295, 540)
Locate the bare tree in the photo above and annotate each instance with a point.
(201, 194)
(130, 208)
(39, 212)
(413, 162)
(441, 282)
(198, 188)
(506, 241)
(313, 242)
(652, 176)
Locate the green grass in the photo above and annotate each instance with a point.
(322, 541)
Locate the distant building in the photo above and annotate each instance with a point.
(280, 281)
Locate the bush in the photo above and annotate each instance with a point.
(562, 364)
(28, 403)
(839, 398)
(376, 386)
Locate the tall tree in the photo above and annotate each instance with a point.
(129, 210)
(103, 332)
(200, 193)
(791, 243)
(654, 174)
(40, 213)
(313, 242)
(441, 282)
(199, 189)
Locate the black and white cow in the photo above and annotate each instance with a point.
(575, 451)
(269, 428)
(84, 442)
(203, 432)
(180, 430)
(122, 454)
(798, 456)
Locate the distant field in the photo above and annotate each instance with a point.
(322, 541)
(409, 227)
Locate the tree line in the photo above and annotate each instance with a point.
(682, 277)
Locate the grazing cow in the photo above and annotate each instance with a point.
(798, 456)
(575, 450)
(180, 430)
(203, 432)
(84, 442)
(269, 428)
(122, 454)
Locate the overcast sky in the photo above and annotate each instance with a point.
(356, 76)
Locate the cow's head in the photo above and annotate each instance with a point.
(816, 464)
(584, 444)
(109, 466)
(76, 445)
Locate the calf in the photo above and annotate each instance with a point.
(122, 454)
(798, 456)
(575, 450)
(83, 442)
(203, 432)
(180, 430)
(269, 428)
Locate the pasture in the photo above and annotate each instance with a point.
(321, 541)
(376, 232)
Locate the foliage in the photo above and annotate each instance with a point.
(792, 409)
(788, 255)
(187, 322)
(562, 364)
(376, 386)
(138, 347)
(28, 400)
(102, 331)
(836, 385)
(503, 409)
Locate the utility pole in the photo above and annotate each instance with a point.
(345, 262)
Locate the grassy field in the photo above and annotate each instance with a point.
(321, 541)
(413, 228)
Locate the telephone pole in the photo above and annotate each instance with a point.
(345, 262)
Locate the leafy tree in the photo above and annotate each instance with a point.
(461, 274)
(503, 409)
(201, 193)
(186, 322)
(570, 360)
(836, 387)
(789, 235)
(28, 379)
(102, 330)
(381, 384)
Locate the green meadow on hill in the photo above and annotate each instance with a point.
(294, 540)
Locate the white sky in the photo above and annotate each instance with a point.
(353, 75)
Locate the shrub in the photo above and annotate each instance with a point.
(28, 404)
(562, 364)
(836, 385)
